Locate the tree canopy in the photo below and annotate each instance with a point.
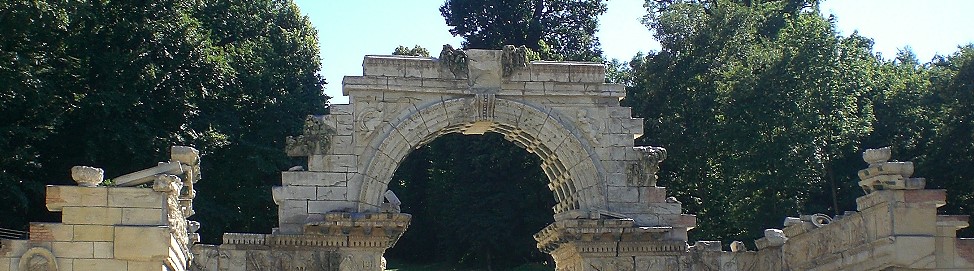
(113, 84)
(557, 29)
(764, 110)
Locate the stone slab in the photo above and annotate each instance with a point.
(58, 196)
(91, 216)
(135, 197)
(94, 233)
(141, 243)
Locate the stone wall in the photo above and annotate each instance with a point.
(113, 228)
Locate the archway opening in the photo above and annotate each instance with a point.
(476, 201)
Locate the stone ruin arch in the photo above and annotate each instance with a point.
(567, 157)
(563, 112)
(337, 214)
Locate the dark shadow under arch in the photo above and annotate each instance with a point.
(476, 200)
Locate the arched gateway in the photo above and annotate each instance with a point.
(563, 112)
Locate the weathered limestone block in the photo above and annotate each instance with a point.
(882, 174)
(772, 238)
(134, 197)
(46, 232)
(312, 179)
(59, 196)
(93, 233)
(87, 176)
(141, 243)
(91, 216)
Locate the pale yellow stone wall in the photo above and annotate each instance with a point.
(105, 228)
(114, 228)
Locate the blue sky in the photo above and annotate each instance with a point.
(349, 30)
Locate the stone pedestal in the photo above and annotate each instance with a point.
(611, 244)
(340, 241)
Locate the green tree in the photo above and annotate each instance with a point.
(415, 51)
(950, 164)
(475, 201)
(33, 97)
(557, 29)
(268, 62)
(114, 83)
(759, 104)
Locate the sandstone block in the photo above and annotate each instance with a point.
(94, 233)
(143, 217)
(334, 163)
(103, 250)
(332, 193)
(313, 178)
(325, 206)
(136, 197)
(99, 264)
(623, 194)
(296, 192)
(147, 266)
(58, 196)
(62, 264)
(141, 243)
(292, 211)
(916, 252)
(91, 216)
(46, 232)
(74, 250)
(652, 194)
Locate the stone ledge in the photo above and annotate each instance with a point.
(936, 196)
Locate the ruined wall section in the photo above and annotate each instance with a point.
(114, 228)
(561, 111)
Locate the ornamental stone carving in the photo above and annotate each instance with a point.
(314, 141)
(516, 58)
(454, 60)
(643, 171)
(87, 176)
(38, 259)
(883, 174)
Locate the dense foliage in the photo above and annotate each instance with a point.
(765, 109)
(113, 84)
(557, 29)
(475, 201)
